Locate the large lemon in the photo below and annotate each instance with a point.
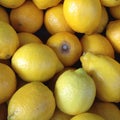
(33, 101)
(82, 15)
(36, 62)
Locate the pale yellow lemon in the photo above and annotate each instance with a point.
(7, 82)
(54, 20)
(82, 16)
(36, 62)
(33, 101)
(9, 41)
(4, 16)
(44, 4)
(26, 18)
(26, 37)
(11, 3)
(87, 116)
(67, 47)
(113, 34)
(75, 91)
(107, 110)
(97, 44)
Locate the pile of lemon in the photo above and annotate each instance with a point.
(59, 60)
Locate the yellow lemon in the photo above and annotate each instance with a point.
(33, 101)
(9, 41)
(87, 116)
(11, 3)
(113, 34)
(103, 21)
(7, 82)
(107, 110)
(75, 91)
(110, 3)
(97, 44)
(114, 11)
(25, 38)
(44, 4)
(4, 16)
(67, 47)
(54, 20)
(82, 15)
(36, 62)
(26, 18)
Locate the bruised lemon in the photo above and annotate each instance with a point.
(33, 101)
(82, 16)
(36, 62)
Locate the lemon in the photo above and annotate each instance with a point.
(74, 91)
(110, 3)
(113, 34)
(36, 62)
(107, 110)
(26, 37)
(44, 4)
(4, 16)
(87, 116)
(97, 44)
(54, 20)
(9, 41)
(33, 101)
(82, 16)
(7, 82)
(11, 3)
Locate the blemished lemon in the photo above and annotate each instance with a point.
(108, 110)
(87, 116)
(44, 4)
(11, 3)
(110, 3)
(54, 20)
(26, 37)
(59, 115)
(97, 44)
(82, 16)
(9, 41)
(7, 82)
(67, 47)
(26, 18)
(113, 34)
(33, 101)
(4, 16)
(114, 11)
(75, 91)
(103, 21)
(36, 62)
